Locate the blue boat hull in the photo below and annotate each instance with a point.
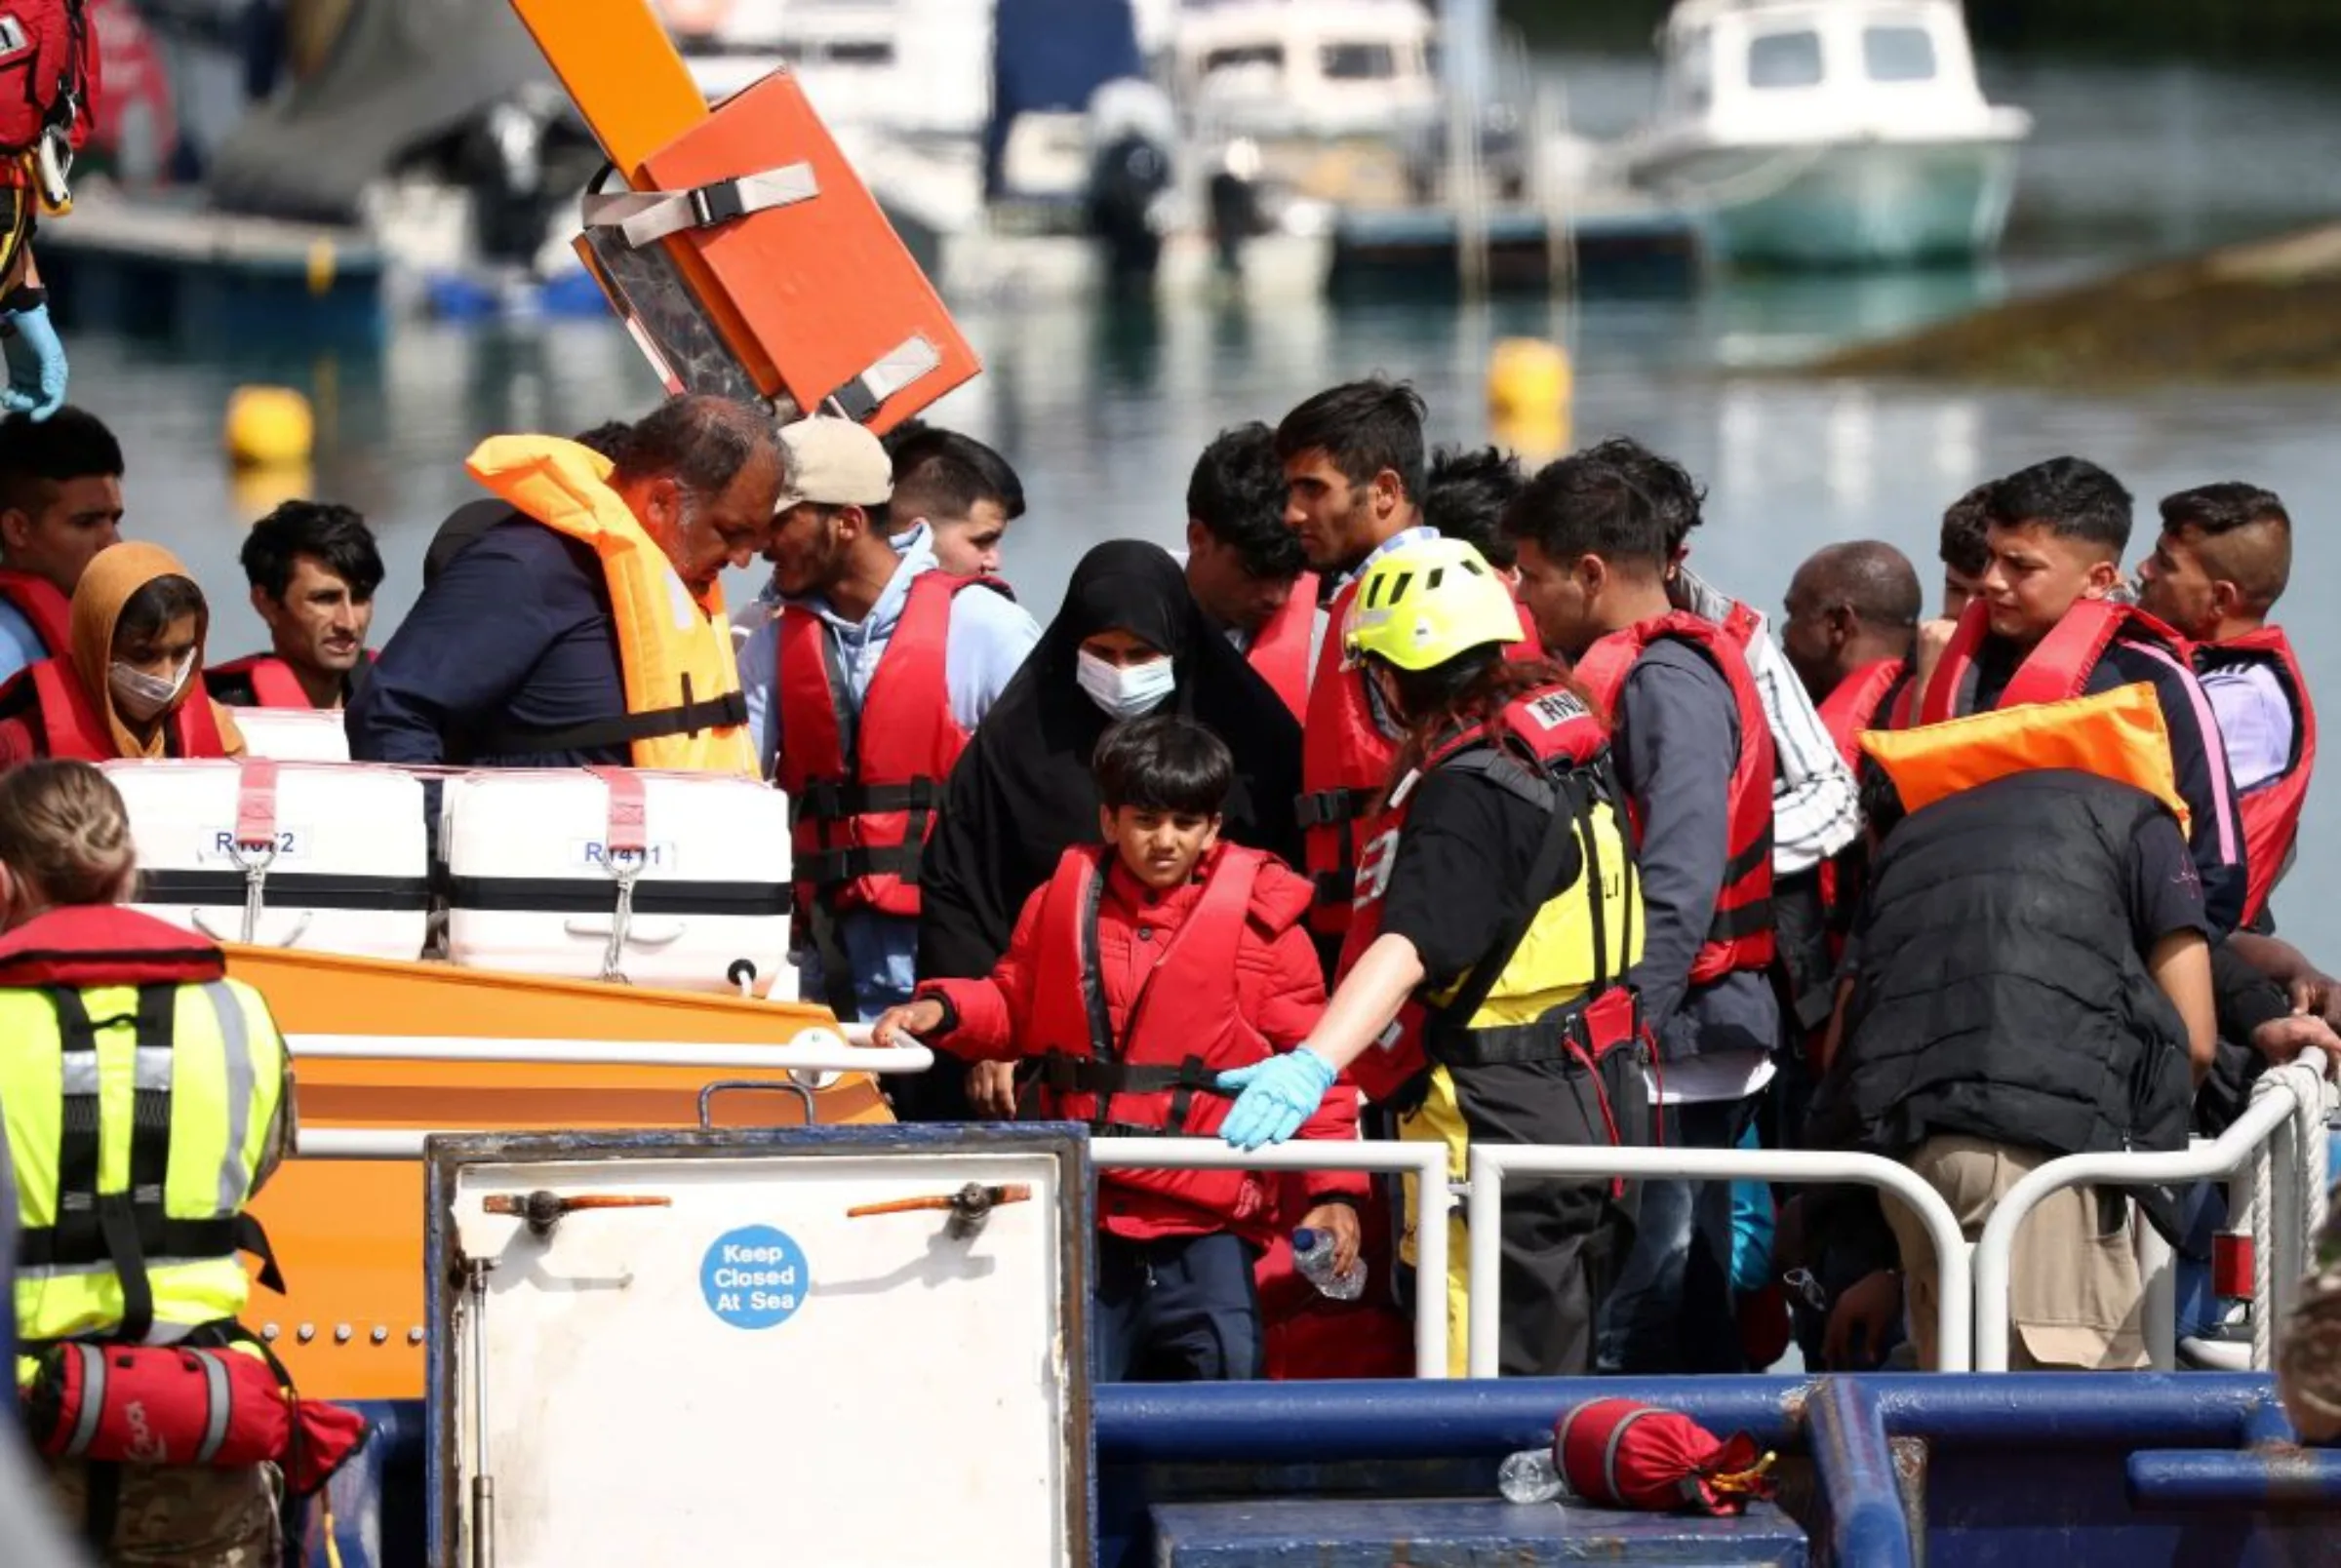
(2114, 1471)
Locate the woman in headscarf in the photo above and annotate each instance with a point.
(130, 687)
(1128, 640)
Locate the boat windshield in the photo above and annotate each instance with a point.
(1357, 61)
(1898, 53)
(1778, 60)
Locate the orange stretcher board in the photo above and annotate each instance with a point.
(745, 254)
(348, 1234)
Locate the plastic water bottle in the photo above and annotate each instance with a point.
(1529, 1476)
(1313, 1256)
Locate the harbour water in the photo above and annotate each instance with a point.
(1102, 410)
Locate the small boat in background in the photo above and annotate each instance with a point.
(1828, 133)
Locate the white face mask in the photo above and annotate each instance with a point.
(1126, 691)
(139, 695)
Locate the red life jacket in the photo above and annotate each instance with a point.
(273, 682)
(37, 600)
(1181, 1028)
(1859, 702)
(1346, 761)
(2271, 810)
(1739, 935)
(1281, 650)
(85, 945)
(51, 74)
(73, 729)
(2059, 665)
(1565, 748)
(863, 811)
(1742, 625)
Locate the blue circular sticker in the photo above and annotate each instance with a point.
(754, 1276)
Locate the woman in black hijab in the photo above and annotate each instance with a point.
(1021, 792)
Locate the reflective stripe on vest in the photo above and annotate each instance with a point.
(48, 611)
(2271, 810)
(72, 730)
(1739, 934)
(137, 1120)
(684, 708)
(863, 785)
(1281, 650)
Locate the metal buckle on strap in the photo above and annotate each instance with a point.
(717, 203)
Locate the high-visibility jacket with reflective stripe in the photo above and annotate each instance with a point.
(224, 1070)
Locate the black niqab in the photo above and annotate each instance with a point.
(1021, 794)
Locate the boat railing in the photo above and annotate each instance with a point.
(2274, 1158)
(2275, 1152)
(818, 1049)
(1492, 1165)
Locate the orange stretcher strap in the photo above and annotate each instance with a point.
(2117, 734)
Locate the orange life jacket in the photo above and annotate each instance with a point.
(37, 600)
(2119, 734)
(2270, 809)
(72, 729)
(1739, 935)
(1281, 650)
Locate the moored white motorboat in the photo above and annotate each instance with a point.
(1829, 133)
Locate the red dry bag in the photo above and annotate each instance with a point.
(1618, 1454)
(167, 1404)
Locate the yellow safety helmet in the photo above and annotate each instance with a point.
(1422, 604)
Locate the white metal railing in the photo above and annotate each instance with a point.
(1425, 1161)
(2286, 1110)
(1493, 1163)
(817, 1049)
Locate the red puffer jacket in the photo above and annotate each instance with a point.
(1215, 974)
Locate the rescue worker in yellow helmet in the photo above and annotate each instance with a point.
(146, 1096)
(1480, 991)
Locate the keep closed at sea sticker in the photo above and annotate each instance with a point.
(755, 1276)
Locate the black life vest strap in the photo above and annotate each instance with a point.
(1104, 1048)
(115, 1221)
(834, 868)
(1326, 808)
(838, 799)
(511, 739)
(1063, 1073)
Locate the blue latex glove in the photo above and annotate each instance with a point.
(1278, 1096)
(36, 364)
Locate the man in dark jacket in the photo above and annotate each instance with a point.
(2029, 978)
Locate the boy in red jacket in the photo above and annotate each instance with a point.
(1139, 971)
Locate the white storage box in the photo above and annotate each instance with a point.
(337, 854)
(537, 861)
(294, 735)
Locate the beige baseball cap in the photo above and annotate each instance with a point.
(834, 463)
